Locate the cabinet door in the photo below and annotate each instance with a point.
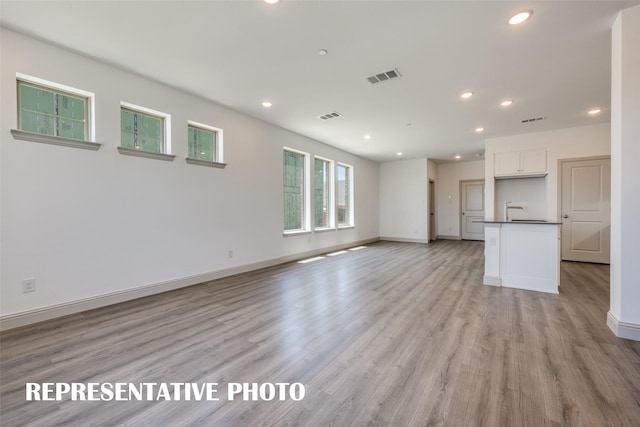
(507, 164)
(533, 162)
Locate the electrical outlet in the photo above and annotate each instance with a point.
(28, 285)
(230, 254)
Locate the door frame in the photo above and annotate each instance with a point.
(561, 163)
(484, 199)
(432, 229)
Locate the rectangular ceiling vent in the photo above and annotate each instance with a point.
(387, 75)
(533, 119)
(330, 116)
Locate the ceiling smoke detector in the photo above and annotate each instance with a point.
(328, 116)
(381, 77)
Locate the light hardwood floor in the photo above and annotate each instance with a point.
(394, 334)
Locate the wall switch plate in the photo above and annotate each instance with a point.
(28, 285)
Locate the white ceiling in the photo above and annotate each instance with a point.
(239, 53)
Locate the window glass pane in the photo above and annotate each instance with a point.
(293, 191)
(70, 107)
(141, 132)
(344, 208)
(52, 113)
(202, 144)
(36, 110)
(73, 129)
(321, 193)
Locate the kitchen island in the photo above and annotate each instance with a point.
(522, 254)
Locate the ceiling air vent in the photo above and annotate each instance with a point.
(330, 116)
(387, 75)
(533, 119)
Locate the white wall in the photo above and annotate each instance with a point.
(403, 200)
(448, 194)
(528, 193)
(90, 223)
(624, 315)
(569, 143)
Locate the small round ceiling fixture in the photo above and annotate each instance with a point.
(367, 137)
(457, 157)
(480, 129)
(506, 103)
(466, 95)
(520, 17)
(323, 52)
(399, 153)
(272, 1)
(595, 111)
(267, 104)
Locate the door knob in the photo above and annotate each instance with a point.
(462, 213)
(565, 216)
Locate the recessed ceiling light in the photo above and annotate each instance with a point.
(520, 17)
(272, 1)
(466, 95)
(506, 103)
(595, 111)
(457, 157)
(367, 137)
(479, 129)
(266, 104)
(399, 153)
(323, 52)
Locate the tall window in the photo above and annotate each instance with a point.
(144, 130)
(322, 194)
(295, 193)
(345, 195)
(49, 111)
(204, 142)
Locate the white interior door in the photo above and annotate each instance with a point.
(472, 210)
(586, 210)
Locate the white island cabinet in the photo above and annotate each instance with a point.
(523, 255)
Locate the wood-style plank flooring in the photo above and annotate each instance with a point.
(395, 334)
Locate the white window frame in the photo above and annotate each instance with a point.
(306, 217)
(166, 124)
(90, 132)
(331, 198)
(218, 160)
(351, 174)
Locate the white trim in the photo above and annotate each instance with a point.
(445, 237)
(166, 120)
(148, 154)
(15, 320)
(90, 96)
(630, 331)
(402, 239)
(199, 162)
(54, 140)
(219, 139)
(491, 280)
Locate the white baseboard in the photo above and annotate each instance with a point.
(445, 237)
(28, 317)
(492, 280)
(403, 240)
(630, 331)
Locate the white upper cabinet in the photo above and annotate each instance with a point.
(520, 164)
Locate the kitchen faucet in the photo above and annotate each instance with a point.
(507, 207)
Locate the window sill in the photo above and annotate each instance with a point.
(199, 162)
(54, 140)
(296, 232)
(346, 227)
(147, 154)
(324, 229)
